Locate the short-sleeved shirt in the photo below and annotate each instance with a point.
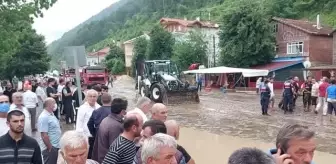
(51, 90)
(331, 90)
(48, 123)
(323, 88)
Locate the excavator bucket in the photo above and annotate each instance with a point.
(179, 97)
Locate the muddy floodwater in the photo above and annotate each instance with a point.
(222, 123)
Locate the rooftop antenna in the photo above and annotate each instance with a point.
(318, 23)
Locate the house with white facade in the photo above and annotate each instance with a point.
(210, 31)
(97, 57)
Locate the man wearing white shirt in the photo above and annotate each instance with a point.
(270, 85)
(41, 96)
(84, 114)
(59, 90)
(143, 106)
(30, 101)
(18, 105)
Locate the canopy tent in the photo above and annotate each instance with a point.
(245, 71)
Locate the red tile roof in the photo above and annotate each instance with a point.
(102, 52)
(273, 66)
(306, 26)
(189, 23)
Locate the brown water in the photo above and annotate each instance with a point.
(222, 123)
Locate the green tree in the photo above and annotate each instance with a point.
(31, 58)
(115, 60)
(161, 44)
(246, 35)
(192, 50)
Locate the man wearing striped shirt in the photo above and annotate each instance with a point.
(122, 150)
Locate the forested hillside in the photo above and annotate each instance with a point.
(130, 18)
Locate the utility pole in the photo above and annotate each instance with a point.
(214, 50)
(78, 81)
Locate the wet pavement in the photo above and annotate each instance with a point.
(239, 114)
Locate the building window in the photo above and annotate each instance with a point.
(295, 48)
(276, 48)
(275, 27)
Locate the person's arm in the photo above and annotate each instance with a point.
(80, 119)
(65, 92)
(112, 156)
(37, 157)
(50, 94)
(43, 129)
(90, 123)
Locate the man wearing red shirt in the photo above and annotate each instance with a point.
(322, 101)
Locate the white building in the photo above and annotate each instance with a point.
(208, 29)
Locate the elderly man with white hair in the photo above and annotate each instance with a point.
(143, 107)
(84, 114)
(74, 149)
(159, 148)
(18, 105)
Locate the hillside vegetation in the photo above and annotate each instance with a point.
(130, 18)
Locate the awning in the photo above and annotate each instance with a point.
(246, 72)
(277, 65)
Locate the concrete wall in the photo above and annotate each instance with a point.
(334, 49)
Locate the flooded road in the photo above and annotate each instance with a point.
(222, 123)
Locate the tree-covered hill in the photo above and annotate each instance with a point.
(130, 18)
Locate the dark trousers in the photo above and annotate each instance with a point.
(61, 107)
(264, 104)
(199, 86)
(56, 113)
(288, 103)
(294, 100)
(306, 99)
(91, 143)
(50, 157)
(32, 112)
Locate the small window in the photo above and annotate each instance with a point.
(295, 48)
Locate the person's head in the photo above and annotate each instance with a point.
(4, 104)
(271, 80)
(104, 89)
(50, 104)
(333, 82)
(159, 112)
(9, 85)
(68, 84)
(298, 141)
(250, 156)
(106, 99)
(145, 104)
(119, 106)
(309, 78)
(83, 87)
(324, 79)
(133, 124)
(92, 96)
(51, 81)
(61, 81)
(151, 127)
(313, 81)
(296, 79)
(266, 81)
(159, 149)
(173, 129)
(17, 98)
(97, 88)
(74, 147)
(16, 121)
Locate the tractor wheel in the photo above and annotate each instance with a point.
(158, 92)
(144, 90)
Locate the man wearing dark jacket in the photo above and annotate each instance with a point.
(12, 143)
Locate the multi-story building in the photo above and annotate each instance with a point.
(181, 27)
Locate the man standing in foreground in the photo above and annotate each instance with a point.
(166, 146)
(49, 127)
(17, 147)
(295, 144)
(30, 101)
(123, 150)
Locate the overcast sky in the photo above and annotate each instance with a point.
(66, 14)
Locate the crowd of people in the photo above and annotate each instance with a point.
(315, 95)
(107, 132)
